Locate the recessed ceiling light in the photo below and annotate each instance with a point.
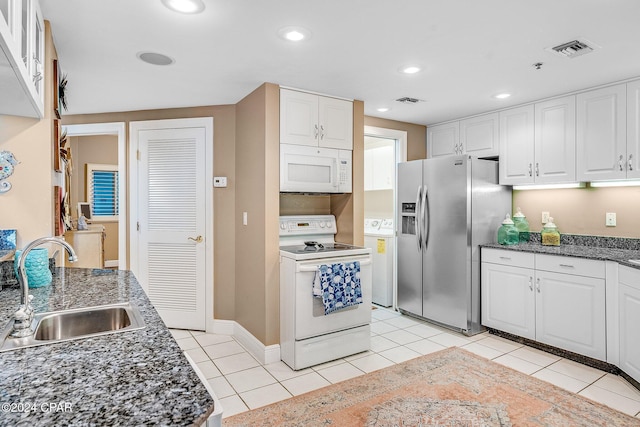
(411, 69)
(502, 95)
(155, 58)
(383, 109)
(294, 34)
(184, 6)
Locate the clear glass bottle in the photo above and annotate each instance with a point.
(522, 225)
(550, 234)
(508, 233)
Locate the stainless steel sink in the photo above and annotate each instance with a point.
(635, 261)
(74, 324)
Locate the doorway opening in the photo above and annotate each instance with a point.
(114, 135)
(383, 150)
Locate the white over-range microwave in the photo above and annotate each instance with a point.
(306, 169)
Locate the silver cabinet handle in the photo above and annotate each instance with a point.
(566, 265)
(321, 131)
(537, 169)
(316, 131)
(198, 239)
(621, 163)
(506, 258)
(538, 284)
(630, 162)
(530, 169)
(530, 283)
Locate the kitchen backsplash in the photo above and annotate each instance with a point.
(582, 211)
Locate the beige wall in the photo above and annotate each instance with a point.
(223, 198)
(582, 210)
(416, 135)
(28, 206)
(257, 194)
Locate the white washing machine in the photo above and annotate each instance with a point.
(378, 235)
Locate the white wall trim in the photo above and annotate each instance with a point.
(118, 129)
(265, 354)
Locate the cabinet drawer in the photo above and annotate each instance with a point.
(505, 257)
(571, 265)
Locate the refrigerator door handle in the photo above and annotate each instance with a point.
(417, 213)
(426, 219)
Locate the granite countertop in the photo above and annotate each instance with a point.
(138, 377)
(603, 253)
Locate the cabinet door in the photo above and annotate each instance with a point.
(516, 146)
(479, 136)
(443, 140)
(508, 300)
(633, 130)
(383, 168)
(555, 141)
(570, 313)
(298, 118)
(601, 134)
(336, 123)
(629, 318)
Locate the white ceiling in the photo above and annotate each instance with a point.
(469, 50)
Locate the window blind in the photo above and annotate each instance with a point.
(104, 192)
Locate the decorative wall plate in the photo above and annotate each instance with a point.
(7, 162)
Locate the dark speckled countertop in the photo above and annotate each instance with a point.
(130, 378)
(620, 250)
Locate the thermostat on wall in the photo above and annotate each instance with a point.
(219, 181)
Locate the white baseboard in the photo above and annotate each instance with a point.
(264, 353)
(111, 263)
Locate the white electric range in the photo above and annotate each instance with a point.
(308, 336)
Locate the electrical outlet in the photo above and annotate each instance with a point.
(545, 217)
(610, 219)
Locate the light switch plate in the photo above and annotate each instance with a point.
(545, 217)
(610, 219)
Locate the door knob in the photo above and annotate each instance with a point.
(198, 239)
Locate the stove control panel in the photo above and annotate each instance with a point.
(307, 225)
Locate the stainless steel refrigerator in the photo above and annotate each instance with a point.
(447, 206)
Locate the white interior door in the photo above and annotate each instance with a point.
(172, 222)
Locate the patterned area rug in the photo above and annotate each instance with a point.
(449, 388)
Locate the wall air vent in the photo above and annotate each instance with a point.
(573, 48)
(408, 100)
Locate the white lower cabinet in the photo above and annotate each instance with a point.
(556, 300)
(629, 319)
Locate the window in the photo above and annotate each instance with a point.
(102, 191)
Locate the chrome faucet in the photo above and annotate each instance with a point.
(24, 316)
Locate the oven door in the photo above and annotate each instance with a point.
(310, 320)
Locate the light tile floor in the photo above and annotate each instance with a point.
(242, 383)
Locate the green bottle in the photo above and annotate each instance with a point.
(508, 233)
(522, 225)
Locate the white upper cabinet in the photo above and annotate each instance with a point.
(443, 140)
(602, 134)
(633, 130)
(517, 146)
(21, 58)
(319, 121)
(538, 144)
(479, 135)
(555, 141)
(379, 168)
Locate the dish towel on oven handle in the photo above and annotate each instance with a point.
(338, 285)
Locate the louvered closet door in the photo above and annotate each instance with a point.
(172, 223)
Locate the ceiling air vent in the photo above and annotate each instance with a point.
(573, 48)
(408, 100)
